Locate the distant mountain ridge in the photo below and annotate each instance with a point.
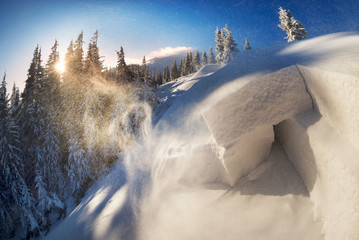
(158, 63)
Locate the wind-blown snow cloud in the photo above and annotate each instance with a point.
(168, 51)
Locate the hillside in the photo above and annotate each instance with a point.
(158, 63)
(265, 147)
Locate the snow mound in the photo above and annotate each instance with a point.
(242, 122)
(281, 123)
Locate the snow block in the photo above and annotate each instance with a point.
(329, 167)
(336, 98)
(242, 121)
(324, 147)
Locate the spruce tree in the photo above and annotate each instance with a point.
(14, 102)
(78, 61)
(229, 45)
(196, 62)
(174, 71)
(69, 60)
(181, 68)
(211, 59)
(122, 70)
(159, 78)
(187, 66)
(33, 125)
(295, 30)
(166, 74)
(16, 201)
(144, 70)
(51, 103)
(246, 45)
(93, 64)
(191, 67)
(204, 58)
(219, 45)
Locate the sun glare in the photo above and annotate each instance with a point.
(60, 66)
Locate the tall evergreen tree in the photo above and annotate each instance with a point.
(229, 45)
(93, 64)
(181, 68)
(69, 60)
(14, 102)
(187, 65)
(219, 45)
(191, 67)
(122, 70)
(54, 178)
(16, 202)
(166, 74)
(295, 30)
(159, 78)
(52, 77)
(204, 58)
(174, 71)
(144, 70)
(246, 45)
(34, 71)
(196, 62)
(78, 55)
(211, 59)
(33, 126)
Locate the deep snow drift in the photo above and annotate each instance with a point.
(280, 125)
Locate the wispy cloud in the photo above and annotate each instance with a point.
(133, 60)
(168, 51)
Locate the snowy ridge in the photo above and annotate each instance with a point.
(302, 185)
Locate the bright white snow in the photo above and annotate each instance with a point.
(305, 188)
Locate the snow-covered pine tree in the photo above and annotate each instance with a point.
(69, 61)
(159, 78)
(14, 102)
(122, 71)
(33, 128)
(174, 71)
(93, 64)
(144, 70)
(16, 203)
(27, 118)
(78, 55)
(219, 46)
(196, 62)
(211, 59)
(246, 45)
(204, 58)
(229, 45)
(295, 30)
(181, 68)
(51, 83)
(52, 80)
(187, 65)
(166, 74)
(191, 67)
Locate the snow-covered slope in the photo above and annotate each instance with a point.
(158, 63)
(279, 124)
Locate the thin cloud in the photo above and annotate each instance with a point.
(168, 51)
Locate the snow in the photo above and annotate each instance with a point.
(298, 165)
(244, 119)
(250, 210)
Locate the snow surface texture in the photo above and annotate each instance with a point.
(306, 188)
(328, 157)
(244, 119)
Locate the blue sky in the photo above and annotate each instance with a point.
(142, 27)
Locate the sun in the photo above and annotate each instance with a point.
(60, 66)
